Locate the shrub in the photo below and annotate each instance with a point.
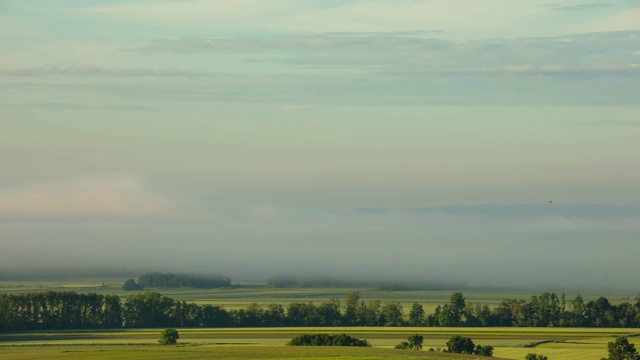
(327, 340)
(535, 357)
(169, 337)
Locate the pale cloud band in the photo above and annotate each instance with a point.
(99, 195)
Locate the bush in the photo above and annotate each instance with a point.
(327, 340)
(169, 337)
(483, 350)
(535, 357)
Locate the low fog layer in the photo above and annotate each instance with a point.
(533, 246)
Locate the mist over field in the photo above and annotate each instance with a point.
(531, 246)
(474, 143)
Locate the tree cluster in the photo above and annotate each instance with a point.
(172, 281)
(464, 345)
(327, 340)
(131, 285)
(414, 342)
(622, 349)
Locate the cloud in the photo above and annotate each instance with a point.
(626, 20)
(72, 106)
(561, 70)
(184, 45)
(294, 43)
(100, 195)
(472, 19)
(292, 108)
(364, 68)
(96, 71)
(547, 217)
(581, 7)
(613, 122)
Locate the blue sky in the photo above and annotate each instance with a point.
(139, 122)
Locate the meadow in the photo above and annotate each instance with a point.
(239, 296)
(509, 343)
(255, 343)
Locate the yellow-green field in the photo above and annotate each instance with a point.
(509, 343)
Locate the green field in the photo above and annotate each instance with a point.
(509, 343)
(241, 295)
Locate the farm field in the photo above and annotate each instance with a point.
(242, 294)
(254, 343)
(509, 343)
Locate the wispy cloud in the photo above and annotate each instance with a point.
(72, 106)
(623, 20)
(357, 68)
(580, 7)
(561, 70)
(100, 195)
(97, 71)
(473, 19)
(292, 108)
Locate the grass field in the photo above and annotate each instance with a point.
(218, 352)
(509, 343)
(241, 295)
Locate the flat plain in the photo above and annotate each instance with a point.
(255, 343)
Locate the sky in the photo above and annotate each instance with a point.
(487, 142)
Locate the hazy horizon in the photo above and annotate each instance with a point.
(486, 143)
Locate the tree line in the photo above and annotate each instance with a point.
(52, 310)
(546, 310)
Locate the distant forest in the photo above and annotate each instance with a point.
(69, 310)
(172, 281)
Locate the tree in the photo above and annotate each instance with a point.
(461, 345)
(458, 303)
(416, 315)
(130, 285)
(535, 357)
(447, 316)
(622, 349)
(415, 341)
(351, 305)
(169, 337)
(392, 313)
